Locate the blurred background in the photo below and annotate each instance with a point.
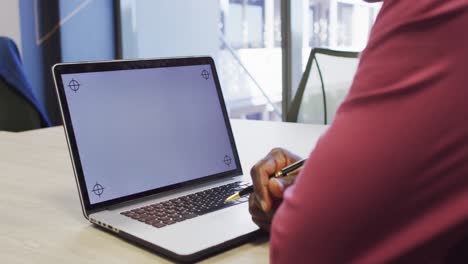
(260, 47)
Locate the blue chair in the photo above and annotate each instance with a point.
(19, 108)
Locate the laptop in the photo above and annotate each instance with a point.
(153, 153)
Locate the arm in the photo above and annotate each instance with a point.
(388, 179)
(347, 196)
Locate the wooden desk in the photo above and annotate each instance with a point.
(41, 218)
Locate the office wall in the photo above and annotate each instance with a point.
(166, 28)
(89, 34)
(10, 21)
(55, 31)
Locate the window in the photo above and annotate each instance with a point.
(245, 39)
(250, 58)
(243, 36)
(339, 24)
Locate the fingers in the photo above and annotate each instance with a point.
(260, 175)
(264, 169)
(260, 218)
(269, 192)
(254, 208)
(277, 186)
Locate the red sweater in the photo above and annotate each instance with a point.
(388, 182)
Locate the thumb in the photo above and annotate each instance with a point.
(277, 186)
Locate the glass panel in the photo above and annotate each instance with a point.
(250, 58)
(243, 36)
(338, 24)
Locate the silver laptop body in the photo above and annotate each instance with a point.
(147, 138)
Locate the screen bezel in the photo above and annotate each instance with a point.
(84, 67)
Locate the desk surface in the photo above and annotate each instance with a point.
(41, 219)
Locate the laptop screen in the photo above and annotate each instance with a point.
(142, 129)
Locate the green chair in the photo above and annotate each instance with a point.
(323, 87)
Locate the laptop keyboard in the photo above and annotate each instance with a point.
(186, 207)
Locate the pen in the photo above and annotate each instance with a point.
(281, 173)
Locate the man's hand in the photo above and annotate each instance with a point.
(268, 192)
